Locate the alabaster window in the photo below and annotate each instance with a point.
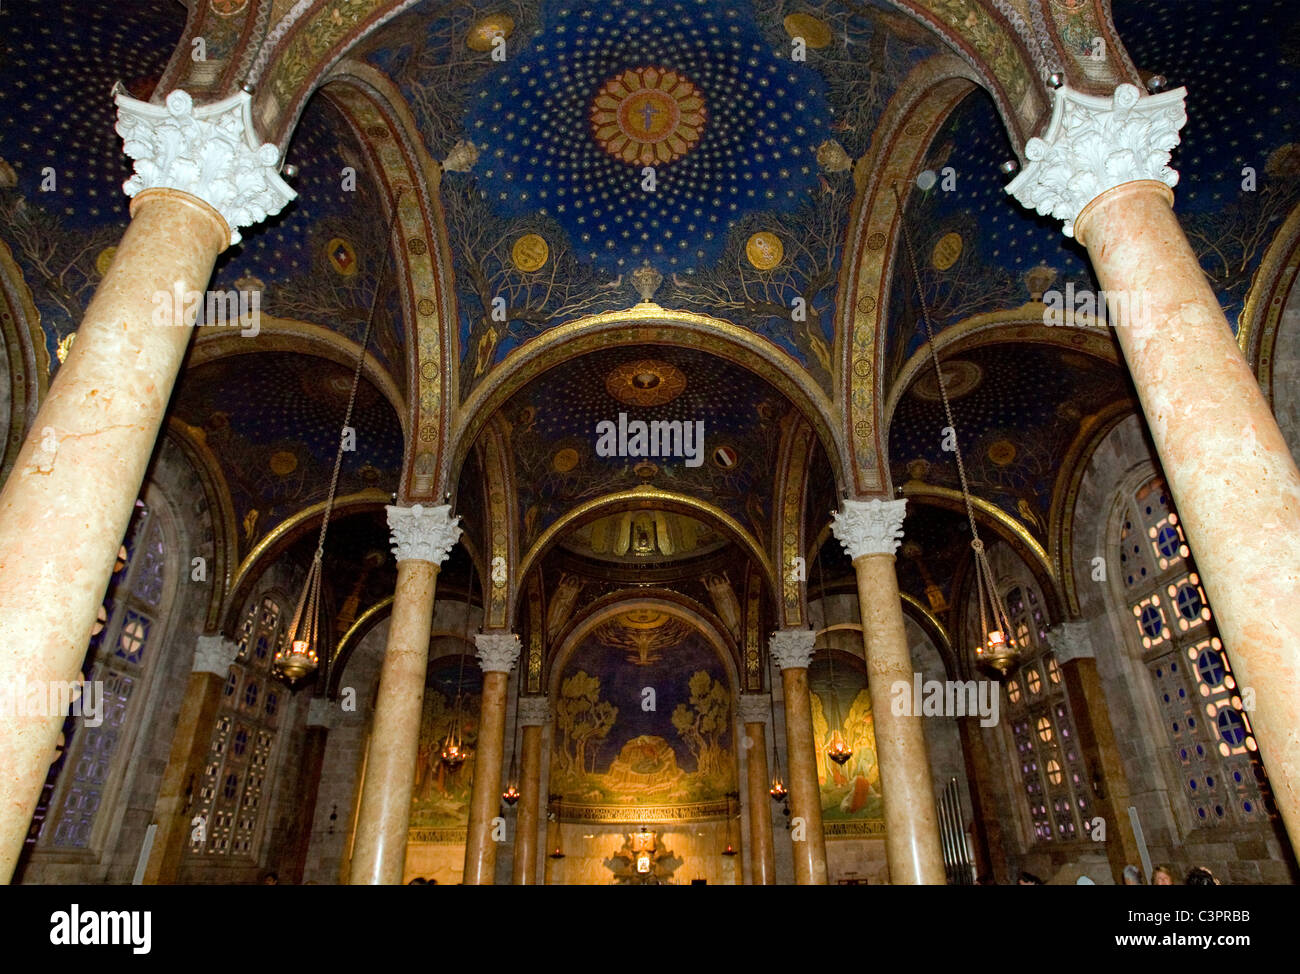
(230, 803)
(122, 653)
(1168, 616)
(1053, 777)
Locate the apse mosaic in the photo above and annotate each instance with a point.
(440, 797)
(616, 744)
(841, 712)
(554, 434)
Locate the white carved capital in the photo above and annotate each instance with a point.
(422, 533)
(792, 648)
(209, 151)
(214, 654)
(497, 651)
(1070, 640)
(754, 708)
(871, 527)
(534, 711)
(1096, 143)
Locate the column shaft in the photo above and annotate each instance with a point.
(67, 502)
(911, 820)
(379, 853)
(762, 855)
(805, 794)
(485, 794)
(1232, 476)
(529, 818)
(189, 751)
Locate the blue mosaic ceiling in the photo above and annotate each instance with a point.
(764, 118)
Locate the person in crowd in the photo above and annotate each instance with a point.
(1200, 876)
(1163, 876)
(1132, 876)
(1028, 879)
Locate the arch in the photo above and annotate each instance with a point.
(793, 466)
(1024, 325)
(616, 604)
(303, 338)
(408, 180)
(266, 551)
(653, 325)
(225, 535)
(1015, 534)
(27, 361)
(903, 136)
(643, 498)
(1271, 295)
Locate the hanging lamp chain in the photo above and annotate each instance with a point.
(983, 572)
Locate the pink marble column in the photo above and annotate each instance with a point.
(791, 650)
(422, 537)
(66, 504)
(870, 532)
(497, 653)
(534, 712)
(1102, 167)
(754, 712)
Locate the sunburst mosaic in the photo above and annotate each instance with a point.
(648, 115)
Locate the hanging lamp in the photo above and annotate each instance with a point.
(778, 791)
(837, 748)
(454, 753)
(511, 795)
(997, 649)
(299, 651)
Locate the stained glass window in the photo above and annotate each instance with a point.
(1056, 786)
(1205, 722)
(119, 657)
(230, 803)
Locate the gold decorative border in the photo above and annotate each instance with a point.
(753, 630)
(853, 830)
(907, 128)
(929, 620)
(285, 532)
(355, 633)
(673, 603)
(502, 538)
(649, 324)
(1261, 316)
(793, 459)
(645, 814)
(452, 836)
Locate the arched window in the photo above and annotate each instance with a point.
(122, 653)
(231, 795)
(1053, 776)
(1205, 723)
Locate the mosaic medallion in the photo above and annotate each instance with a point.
(764, 250)
(959, 378)
(647, 116)
(645, 382)
(483, 34)
(530, 253)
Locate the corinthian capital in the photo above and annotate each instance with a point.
(422, 533)
(1094, 143)
(754, 708)
(209, 151)
(497, 651)
(869, 527)
(1070, 640)
(792, 648)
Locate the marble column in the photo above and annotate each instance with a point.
(791, 650)
(497, 654)
(870, 532)
(322, 716)
(1072, 647)
(66, 504)
(213, 655)
(421, 537)
(754, 710)
(1102, 167)
(534, 712)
